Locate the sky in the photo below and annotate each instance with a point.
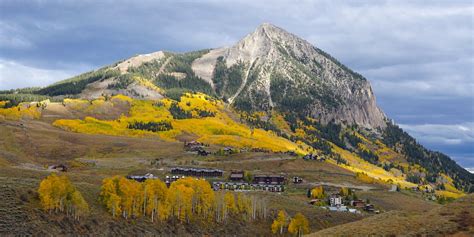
(418, 55)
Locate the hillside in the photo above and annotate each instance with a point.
(454, 219)
(272, 104)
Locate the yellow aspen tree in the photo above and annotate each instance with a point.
(126, 198)
(179, 200)
(45, 194)
(279, 223)
(318, 192)
(203, 199)
(299, 225)
(155, 195)
(109, 195)
(79, 205)
(229, 203)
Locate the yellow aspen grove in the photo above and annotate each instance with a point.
(204, 199)
(279, 223)
(155, 192)
(187, 200)
(299, 225)
(58, 194)
(179, 200)
(126, 198)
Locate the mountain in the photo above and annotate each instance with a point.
(275, 81)
(280, 70)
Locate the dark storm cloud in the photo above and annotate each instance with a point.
(417, 55)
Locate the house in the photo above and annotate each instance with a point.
(142, 178)
(236, 176)
(358, 203)
(269, 179)
(197, 172)
(60, 167)
(243, 186)
(171, 179)
(193, 146)
(297, 180)
(203, 152)
(335, 200)
(369, 208)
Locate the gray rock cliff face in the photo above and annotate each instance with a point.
(285, 72)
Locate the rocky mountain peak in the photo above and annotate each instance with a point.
(281, 70)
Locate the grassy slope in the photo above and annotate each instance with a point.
(454, 218)
(28, 145)
(38, 143)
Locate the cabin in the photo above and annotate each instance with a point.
(141, 178)
(335, 200)
(60, 167)
(269, 179)
(236, 176)
(297, 180)
(197, 172)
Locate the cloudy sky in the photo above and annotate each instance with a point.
(419, 56)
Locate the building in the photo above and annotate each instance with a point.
(335, 200)
(236, 176)
(244, 186)
(60, 167)
(369, 208)
(171, 179)
(269, 179)
(358, 203)
(142, 178)
(297, 180)
(197, 172)
(311, 156)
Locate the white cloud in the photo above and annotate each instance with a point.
(470, 170)
(450, 134)
(16, 75)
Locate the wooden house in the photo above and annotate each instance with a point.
(269, 179)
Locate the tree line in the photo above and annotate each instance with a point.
(186, 200)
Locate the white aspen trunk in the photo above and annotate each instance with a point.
(144, 202)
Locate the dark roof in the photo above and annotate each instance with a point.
(196, 169)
